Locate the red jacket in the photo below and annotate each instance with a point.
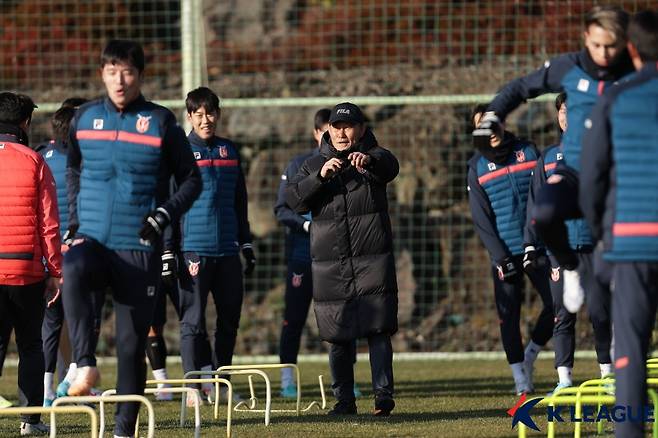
(29, 221)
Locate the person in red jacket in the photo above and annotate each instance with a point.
(30, 254)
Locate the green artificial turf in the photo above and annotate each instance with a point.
(433, 399)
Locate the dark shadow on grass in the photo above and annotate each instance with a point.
(367, 417)
(466, 387)
(462, 387)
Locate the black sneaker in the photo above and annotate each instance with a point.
(383, 406)
(343, 408)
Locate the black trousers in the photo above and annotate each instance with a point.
(341, 362)
(592, 269)
(635, 300)
(133, 277)
(555, 204)
(298, 296)
(160, 312)
(51, 329)
(22, 307)
(596, 276)
(223, 277)
(509, 298)
(564, 329)
(5, 335)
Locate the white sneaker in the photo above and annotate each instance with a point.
(34, 429)
(164, 396)
(574, 295)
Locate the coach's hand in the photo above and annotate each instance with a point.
(488, 128)
(154, 225)
(249, 258)
(507, 270)
(331, 167)
(169, 269)
(52, 291)
(359, 160)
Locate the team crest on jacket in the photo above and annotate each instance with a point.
(297, 279)
(491, 166)
(223, 151)
(143, 123)
(555, 274)
(520, 156)
(193, 267)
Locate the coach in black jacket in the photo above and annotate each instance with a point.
(355, 286)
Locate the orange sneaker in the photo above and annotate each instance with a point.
(85, 379)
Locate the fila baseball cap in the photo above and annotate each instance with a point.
(346, 112)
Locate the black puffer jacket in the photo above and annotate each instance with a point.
(354, 281)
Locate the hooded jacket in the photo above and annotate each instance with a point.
(354, 280)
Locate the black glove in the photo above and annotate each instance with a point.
(532, 259)
(249, 258)
(489, 125)
(169, 268)
(507, 271)
(69, 236)
(154, 225)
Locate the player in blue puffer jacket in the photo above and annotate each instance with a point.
(583, 76)
(498, 183)
(123, 150)
(618, 197)
(214, 232)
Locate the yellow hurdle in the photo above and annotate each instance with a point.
(216, 381)
(268, 398)
(604, 384)
(250, 370)
(577, 396)
(270, 366)
(111, 399)
(53, 410)
(171, 390)
(565, 400)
